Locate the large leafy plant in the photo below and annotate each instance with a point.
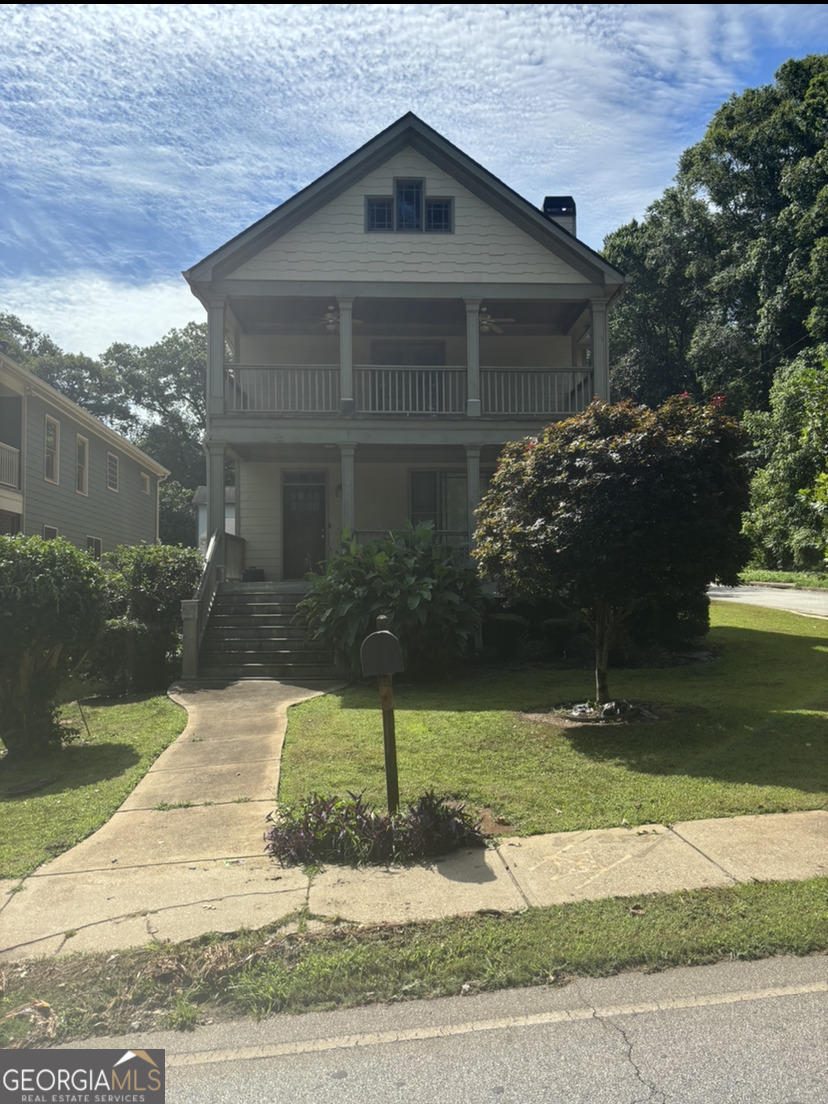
(431, 597)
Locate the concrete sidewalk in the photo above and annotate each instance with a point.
(173, 873)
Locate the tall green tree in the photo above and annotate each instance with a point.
(730, 266)
(786, 519)
(669, 256)
(615, 508)
(90, 383)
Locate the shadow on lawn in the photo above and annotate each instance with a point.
(70, 768)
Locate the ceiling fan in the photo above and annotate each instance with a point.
(330, 320)
(489, 325)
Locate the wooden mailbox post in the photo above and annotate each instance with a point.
(381, 655)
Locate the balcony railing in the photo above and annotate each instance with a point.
(416, 390)
(288, 389)
(535, 390)
(388, 389)
(9, 466)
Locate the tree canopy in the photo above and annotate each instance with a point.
(730, 266)
(616, 507)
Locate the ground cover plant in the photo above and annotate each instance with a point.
(305, 964)
(328, 828)
(49, 805)
(741, 732)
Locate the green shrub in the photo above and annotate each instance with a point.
(52, 608)
(134, 657)
(141, 643)
(148, 582)
(432, 601)
(326, 828)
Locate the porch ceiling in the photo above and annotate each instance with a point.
(375, 316)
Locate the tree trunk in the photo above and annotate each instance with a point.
(604, 627)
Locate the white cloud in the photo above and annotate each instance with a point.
(138, 138)
(86, 313)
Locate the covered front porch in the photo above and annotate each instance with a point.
(294, 502)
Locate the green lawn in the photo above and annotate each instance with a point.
(90, 778)
(746, 732)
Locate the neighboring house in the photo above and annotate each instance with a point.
(64, 473)
(375, 340)
(200, 503)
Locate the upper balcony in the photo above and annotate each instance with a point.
(411, 391)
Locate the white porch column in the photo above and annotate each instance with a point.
(215, 359)
(472, 487)
(473, 358)
(600, 348)
(215, 488)
(346, 355)
(346, 453)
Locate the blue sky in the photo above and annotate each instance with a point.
(138, 138)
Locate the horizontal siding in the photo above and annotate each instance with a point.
(333, 245)
(124, 517)
(260, 492)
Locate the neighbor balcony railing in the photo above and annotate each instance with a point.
(9, 466)
(414, 390)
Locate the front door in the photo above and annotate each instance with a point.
(303, 523)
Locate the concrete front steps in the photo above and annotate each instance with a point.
(253, 634)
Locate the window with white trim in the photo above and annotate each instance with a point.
(82, 465)
(112, 471)
(145, 483)
(409, 210)
(94, 547)
(51, 451)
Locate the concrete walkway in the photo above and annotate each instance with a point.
(157, 871)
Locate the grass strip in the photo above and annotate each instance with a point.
(304, 965)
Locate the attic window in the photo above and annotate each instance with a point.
(409, 211)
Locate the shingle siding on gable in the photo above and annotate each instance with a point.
(333, 244)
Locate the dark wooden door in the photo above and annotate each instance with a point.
(303, 529)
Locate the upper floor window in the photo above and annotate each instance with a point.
(409, 210)
(112, 471)
(82, 466)
(145, 483)
(51, 451)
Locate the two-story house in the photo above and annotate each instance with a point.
(64, 473)
(375, 340)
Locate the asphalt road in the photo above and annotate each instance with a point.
(813, 603)
(736, 1033)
